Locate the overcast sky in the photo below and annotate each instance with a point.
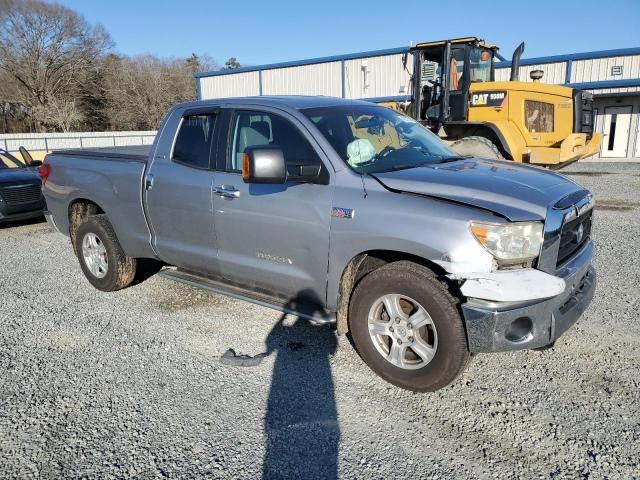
(258, 32)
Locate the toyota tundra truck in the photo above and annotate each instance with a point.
(342, 212)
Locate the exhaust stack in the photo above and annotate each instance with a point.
(515, 63)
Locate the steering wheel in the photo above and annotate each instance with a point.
(385, 151)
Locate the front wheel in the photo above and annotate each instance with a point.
(101, 257)
(406, 327)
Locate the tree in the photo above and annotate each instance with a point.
(47, 48)
(140, 90)
(193, 63)
(231, 64)
(56, 73)
(63, 114)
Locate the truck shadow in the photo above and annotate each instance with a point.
(147, 268)
(301, 424)
(21, 223)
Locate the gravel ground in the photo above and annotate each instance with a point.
(130, 384)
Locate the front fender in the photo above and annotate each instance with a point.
(434, 230)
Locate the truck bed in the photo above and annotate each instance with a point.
(112, 178)
(134, 153)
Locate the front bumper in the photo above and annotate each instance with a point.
(502, 326)
(577, 146)
(17, 217)
(574, 147)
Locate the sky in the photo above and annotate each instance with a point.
(259, 32)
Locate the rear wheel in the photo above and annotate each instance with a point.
(101, 257)
(480, 147)
(406, 327)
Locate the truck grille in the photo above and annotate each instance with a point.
(21, 194)
(574, 234)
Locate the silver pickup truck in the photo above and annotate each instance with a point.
(340, 212)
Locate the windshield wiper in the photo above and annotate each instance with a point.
(454, 158)
(405, 166)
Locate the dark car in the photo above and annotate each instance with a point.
(20, 188)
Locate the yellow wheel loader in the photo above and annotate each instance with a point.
(530, 122)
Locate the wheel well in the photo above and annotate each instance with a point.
(80, 209)
(456, 132)
(366, 262)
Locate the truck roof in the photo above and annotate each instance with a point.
(299, 102)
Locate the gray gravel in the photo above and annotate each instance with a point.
(130, 384)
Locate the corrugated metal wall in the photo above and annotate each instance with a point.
(599, 69)
(51, 141)
(385, 77)
(553, 72)
(316, 79)
(244, 84)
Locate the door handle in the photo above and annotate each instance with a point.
(226, 191)
(148, 181)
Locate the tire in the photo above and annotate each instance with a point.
(445, 334)
(118, 270)
(478, 147)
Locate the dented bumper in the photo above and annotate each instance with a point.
(494, 326)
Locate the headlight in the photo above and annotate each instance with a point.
(510, 243)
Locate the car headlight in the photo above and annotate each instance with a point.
(510, 243)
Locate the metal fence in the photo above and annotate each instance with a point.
(45, 142)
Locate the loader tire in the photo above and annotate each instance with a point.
(480, 147)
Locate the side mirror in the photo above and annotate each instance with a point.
(264, 165)
(26, 156)
(35, 163)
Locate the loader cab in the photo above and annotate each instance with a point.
(445, 71)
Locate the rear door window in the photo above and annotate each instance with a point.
(194, 140)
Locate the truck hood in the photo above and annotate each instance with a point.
(514, 191)
(18, 176)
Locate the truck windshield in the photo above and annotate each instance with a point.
(480, 65)
(373, 139)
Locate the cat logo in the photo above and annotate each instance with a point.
(488, 99)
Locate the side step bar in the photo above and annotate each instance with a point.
(216, 286)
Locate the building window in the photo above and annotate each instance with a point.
(538, 116)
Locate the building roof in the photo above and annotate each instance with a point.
(400, 50)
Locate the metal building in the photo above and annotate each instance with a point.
(613, 76)
(369, 75)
